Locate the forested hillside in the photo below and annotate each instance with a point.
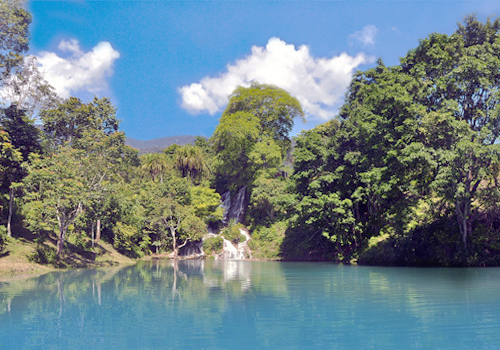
(407, 174)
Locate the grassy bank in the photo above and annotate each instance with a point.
(23, 255)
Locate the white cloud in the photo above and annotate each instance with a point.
(366, 36)
(318, 83)
(81, 71)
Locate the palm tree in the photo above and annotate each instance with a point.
(189, 160)
(154, 165)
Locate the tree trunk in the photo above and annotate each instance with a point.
(462, 211)
(98, 230)
(60, 239)
(11, 209)
(174, 239)
(64, 220)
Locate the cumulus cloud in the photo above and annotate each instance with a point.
(318, 83)
(78, 71)
(366, 36)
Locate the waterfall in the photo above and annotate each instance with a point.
(234, 210)
(239, 251)
(226, 205)
(192, 250)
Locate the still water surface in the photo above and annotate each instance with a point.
(253, 305)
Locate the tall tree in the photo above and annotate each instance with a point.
(459, 76)
(14, 35)
(256, 122)
(55, 192)
(72, 118)
(424, 131)
(154, 166)
(173, 211)
(190, 161)
(274, 107)
(10, 168)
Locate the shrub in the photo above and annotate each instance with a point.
(213, 245)
(232, 232)
(3, 237)
(43, 254)
(124, 240)
(266, 241)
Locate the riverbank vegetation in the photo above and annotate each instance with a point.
(406, 175)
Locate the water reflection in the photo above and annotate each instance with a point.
(252, 305)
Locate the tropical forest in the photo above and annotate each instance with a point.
(405, 175)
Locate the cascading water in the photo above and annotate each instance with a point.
(239, 251)
(192, 250)
(226, 205)
(233, 211)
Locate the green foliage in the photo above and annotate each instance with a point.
(271, 200)
(189, 160)
(232, 232)
(458, 79)
(43, 254)
(155, 166)
(125, 240)
(21, 130)
(422, 132)
(253, 134)
(54, 191)
(266, 241)
(72, 120)
(10, 161)
(192, 227)
(274, 107)
(213, 245)
(3, 237)
(233, 141)
(171, 212)
(206, 204)
(14, 35)
(144, 245)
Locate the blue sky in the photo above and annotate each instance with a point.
(168, 66)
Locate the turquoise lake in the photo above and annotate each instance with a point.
(253, 305)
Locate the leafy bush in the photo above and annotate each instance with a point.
(266, 241)
(232, 232)
(3, 237)
(43, 254)
(81, 244)
(124, 240)
(213, 245)
(436, 244)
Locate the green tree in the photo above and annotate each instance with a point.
(253, 134)
(154, 166)
(190, 162)
(14, 35)
(458, 77)
(424, 131)
(180, 222)
(108, 161)
(55, 193)
(206, 203)
(72, 119)
(352, 177)
(24, 137)
(233, 142)
(274, 107)
(10, 170)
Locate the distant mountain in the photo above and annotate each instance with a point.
(158, 145)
